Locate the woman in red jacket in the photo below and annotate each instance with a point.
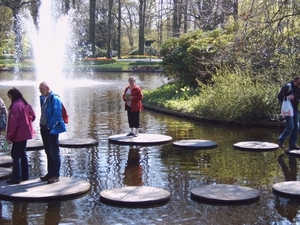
(133, 104)
(19, 130)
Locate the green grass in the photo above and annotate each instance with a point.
(98, 65)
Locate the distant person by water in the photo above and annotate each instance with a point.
(133, 105)
(19, 130)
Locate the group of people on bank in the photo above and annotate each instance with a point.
(19, 127)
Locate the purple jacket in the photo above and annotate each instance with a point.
(19, 123)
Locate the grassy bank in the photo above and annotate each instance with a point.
(230, 98)
(94, 64)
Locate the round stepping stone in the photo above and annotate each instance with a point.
(5, 173)
(33, 145)
(77, 143)
(256, 146)
(287, 188)
(135, 195)
(196, 144)
(224, 193)
(5, 160)
(295, 153)
(142, 139)
(35, 189)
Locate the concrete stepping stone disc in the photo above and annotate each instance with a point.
(287, 188)
(256, 146)
(196, 144)
(33, 145)
(5, 160)
(77, 143)
(37, 190)
(135, 195)
(142, 139)
(224, 193)
(295, 153)
(5, 173)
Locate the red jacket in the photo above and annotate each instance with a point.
(136, 101)
(19, 126)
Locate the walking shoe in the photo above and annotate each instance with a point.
(130, 134)
(136, 134)
(280, 143)
(294, 147)
(45, 178)
(12, 181)
(53, 180)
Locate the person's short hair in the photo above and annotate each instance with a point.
(133, 78)
(296, 78)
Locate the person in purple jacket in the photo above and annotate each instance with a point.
(19, 130)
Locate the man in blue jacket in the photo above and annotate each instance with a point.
(51, 125)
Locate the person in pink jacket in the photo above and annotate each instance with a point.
(19, 130)
(133, 104)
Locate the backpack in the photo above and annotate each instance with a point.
(64, 113)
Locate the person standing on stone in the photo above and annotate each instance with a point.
(133, 105)
(19, 130)
(51, 124)
(290, 91)
(3, 113)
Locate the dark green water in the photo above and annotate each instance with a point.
(96, 111)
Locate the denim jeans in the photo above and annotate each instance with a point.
(292, 124)
(20, 161)
(51, 146)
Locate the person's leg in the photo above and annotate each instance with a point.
(294, 134)
(45, 133)
(24, 162)
(136, 121)
(54, 155)
(16, 156)
(130, 120)
(288, 130)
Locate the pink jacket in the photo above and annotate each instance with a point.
(19, 123)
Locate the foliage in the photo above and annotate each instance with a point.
(173, 95)
(193, 57)
(148, 51)
(231, 97)
(238, 97)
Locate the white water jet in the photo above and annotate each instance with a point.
(49, 44)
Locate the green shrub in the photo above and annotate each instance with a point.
(236, 97)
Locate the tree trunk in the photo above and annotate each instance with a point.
(18, 56)
(109, 27)
(119, 29)
(142, 8)
(92, 26)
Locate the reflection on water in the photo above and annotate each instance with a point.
(96, 111)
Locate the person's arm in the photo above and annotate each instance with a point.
(283, 93)
(13, 120)
(138, 95)
(56, 111)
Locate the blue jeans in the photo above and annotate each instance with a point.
(20, 161)
(292, 126)
(51, 146)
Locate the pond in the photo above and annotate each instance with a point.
(96, 111)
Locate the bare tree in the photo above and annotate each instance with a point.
(142, 11)
(92, 26)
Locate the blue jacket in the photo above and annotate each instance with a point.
(54, 113)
